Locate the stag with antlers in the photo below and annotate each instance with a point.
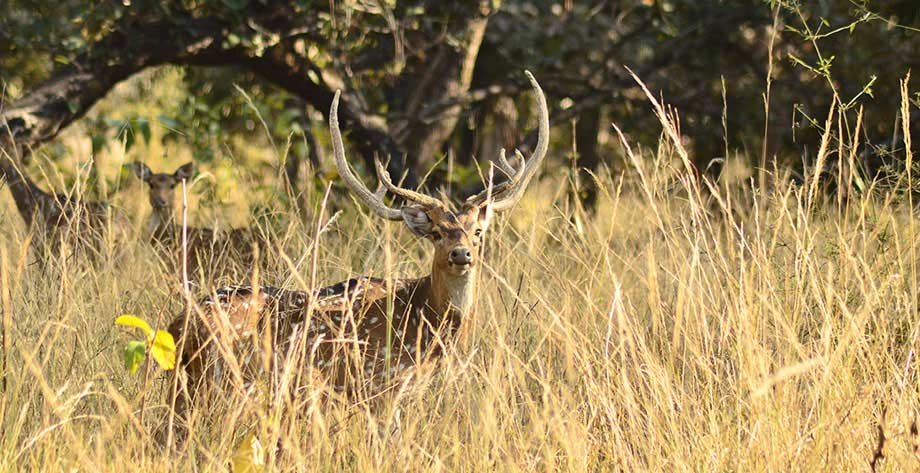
(360, 332)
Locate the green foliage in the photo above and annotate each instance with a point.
(159, 345)
(135, 351)
(683, 49)
(125, 132)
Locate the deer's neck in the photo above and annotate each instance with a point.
(453, 294)
(161, 220)
(25, 193)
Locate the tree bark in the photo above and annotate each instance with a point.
(440, 75)
(588, 159)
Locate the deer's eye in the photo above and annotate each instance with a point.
(478, 233)
(436, 235)
(172, 186)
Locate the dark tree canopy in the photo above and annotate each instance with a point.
(424, 78)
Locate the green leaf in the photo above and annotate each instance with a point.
(137, 322)
(125, 173)
(163, 350)
(134, 355)
(98, 143)
(143, 126)
(128, 136)
(236, 4)
(168, 122)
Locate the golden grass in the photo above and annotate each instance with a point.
(768, 330)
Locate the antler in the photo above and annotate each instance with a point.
(417, 197)
(374, 200)
(505, 167)
(504, 195)
(507, 195)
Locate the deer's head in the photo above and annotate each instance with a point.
(456, 235)
(162, 185)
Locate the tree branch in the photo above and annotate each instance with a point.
(291, 72)
(73, 88)
(131, 47)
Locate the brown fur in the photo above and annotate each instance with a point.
(340, 334)
(206, 248)
(361, 334)
(59, 219)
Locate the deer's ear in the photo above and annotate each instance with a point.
(417, 219)
(185, 171)
(485, 216)
(141, 170)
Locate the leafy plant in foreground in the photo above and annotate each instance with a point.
(159, 344)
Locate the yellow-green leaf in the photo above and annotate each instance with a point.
(249, 456)
(137, 322)
(134, 355)
(163, 350)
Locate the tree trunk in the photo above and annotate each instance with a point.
(588, 158)
(442, 76)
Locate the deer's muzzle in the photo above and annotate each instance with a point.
(460, 256)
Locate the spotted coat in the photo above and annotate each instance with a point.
(340, 334)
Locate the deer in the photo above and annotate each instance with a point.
(205, 245)
(364, 332)
(59, 217)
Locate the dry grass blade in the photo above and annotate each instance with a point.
(655, 337)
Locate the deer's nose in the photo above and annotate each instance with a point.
(461, 256)
(159, 202)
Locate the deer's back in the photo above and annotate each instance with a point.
(344, 333)
(207, 247)
(84, 225)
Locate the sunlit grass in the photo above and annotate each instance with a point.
(767, 330)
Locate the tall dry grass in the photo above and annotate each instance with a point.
(683, 326)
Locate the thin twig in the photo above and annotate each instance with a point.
(187, 296)
(5, 293)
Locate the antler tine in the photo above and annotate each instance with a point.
(417, 197)
(505, 167)
(380, 192)
(530, 168)
(374, 200)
